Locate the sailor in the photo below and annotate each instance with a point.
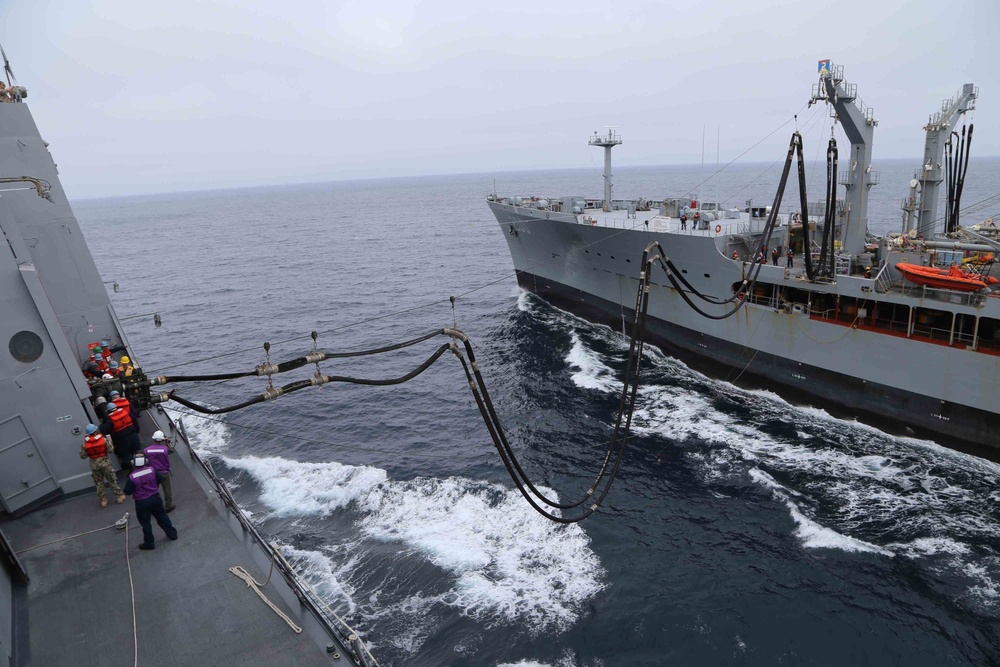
(92, 368)
(684, 221)
(736, 255)
(113, 368)
(124, 435)
(123, 402)
(95, 448)
(158, 455)
(126, 367)
(142, 485)
(775, 255)
(868, 272)
(165, 441)
(791, 256)
(107, 351)
(98, 358)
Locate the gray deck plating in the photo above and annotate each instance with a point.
(190, 609)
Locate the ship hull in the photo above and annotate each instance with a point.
(871, 401)
(850, 371)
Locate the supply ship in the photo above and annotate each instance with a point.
(74, 588)
(904, 327)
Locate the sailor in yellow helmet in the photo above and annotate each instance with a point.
(125, 367)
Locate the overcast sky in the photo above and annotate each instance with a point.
(139, 97)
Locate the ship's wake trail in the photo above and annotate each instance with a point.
(847, 486)
(400, 557)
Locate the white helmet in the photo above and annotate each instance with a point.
(159, 437)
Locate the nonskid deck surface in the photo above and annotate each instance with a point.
(190, 609)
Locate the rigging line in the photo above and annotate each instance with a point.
(504, 276)
(838, 338)
(746, 347)
(131, 587)
(480, 393)
(688, 193)
(984, 202)
(819, 147)
(769, 168)
(63, 539)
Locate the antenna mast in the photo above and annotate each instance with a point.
(607, 143)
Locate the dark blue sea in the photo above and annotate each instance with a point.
(745, 528)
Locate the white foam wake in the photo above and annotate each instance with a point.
(812, 534)
(507, 562)
(293, 488)
(591, 372)
(207, 436)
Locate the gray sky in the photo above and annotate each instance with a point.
(151, 97)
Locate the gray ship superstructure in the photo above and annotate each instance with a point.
(857, 333)
(73, 590)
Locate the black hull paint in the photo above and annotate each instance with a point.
(898, 410)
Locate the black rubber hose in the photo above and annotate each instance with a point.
(829, 220)
(299, 362)
(209, 378)
(387, 348)
(518, 474)
(949, 177)
(965, 170)
(391, 381)
(303, 384)
(506, 453)
(215, 411)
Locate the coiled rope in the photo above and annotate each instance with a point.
(255, 586)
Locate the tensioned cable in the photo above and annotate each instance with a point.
(428, 304)
(809, 125)
(728, 164)
(598, 489)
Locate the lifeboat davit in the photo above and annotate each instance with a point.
(953, 278)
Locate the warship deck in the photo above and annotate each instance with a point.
(189, 609)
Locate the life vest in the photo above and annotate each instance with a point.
(122, 403)
(96, 446)
(120, 419)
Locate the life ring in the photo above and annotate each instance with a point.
(718, 229)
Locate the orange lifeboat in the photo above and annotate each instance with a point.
(952, 278)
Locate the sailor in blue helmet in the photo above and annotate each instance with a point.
(143, 485)
(119, 425)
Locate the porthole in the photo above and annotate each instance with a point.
(26, 346)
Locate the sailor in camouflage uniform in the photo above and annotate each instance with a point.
(95, 448)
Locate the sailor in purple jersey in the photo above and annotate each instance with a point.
(158, 455)
(142, 484)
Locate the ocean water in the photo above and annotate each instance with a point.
(743, 530)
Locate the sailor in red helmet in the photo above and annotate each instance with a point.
(143, 485)
(95, 448)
